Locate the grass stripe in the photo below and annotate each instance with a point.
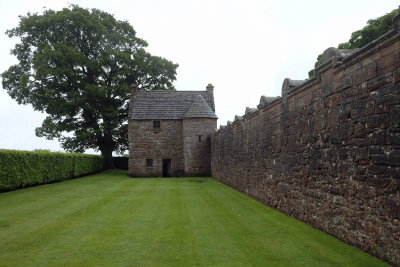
(108, 219)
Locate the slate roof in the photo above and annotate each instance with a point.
(172, 105)
(199, 109)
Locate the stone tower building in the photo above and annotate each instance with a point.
(169, 133)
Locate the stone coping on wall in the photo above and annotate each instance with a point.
(338, 63)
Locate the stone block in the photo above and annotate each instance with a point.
(394, 158)
(376, 169)
(383, 103)
(360, 130)
(393, 207)
(369, 107)
(379, 82)
(393, 138)
(346, 130)
(327, 89)
(361, 153)
(395, 117)
(396, 76)
(383, 120)
(379, 159)
(375, 150)
(347, 81)
(371, 121)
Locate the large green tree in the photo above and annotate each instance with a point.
(78, 65)
(373, 29)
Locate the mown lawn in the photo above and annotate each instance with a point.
(108, 219)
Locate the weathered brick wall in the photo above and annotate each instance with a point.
(197, 154)
(328, 151)
(148, 143)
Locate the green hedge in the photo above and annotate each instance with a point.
(25, 168)
(121, 162)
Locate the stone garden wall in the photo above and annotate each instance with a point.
(328, 151)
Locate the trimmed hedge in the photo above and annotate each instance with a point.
(19, 168)
(121, 162)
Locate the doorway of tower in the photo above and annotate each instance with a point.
(166, 167)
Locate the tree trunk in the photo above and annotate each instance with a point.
(108, 158)
(107, 150)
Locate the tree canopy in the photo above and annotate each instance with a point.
(373, 29)
(78, 65)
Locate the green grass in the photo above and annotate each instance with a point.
(108, 219)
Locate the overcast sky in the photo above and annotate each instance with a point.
(244, 48)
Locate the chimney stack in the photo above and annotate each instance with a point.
(210, 94)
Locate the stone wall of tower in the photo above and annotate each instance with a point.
(197, 152)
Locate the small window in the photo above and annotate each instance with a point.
(199, 138)
(156, 124)
(149, 162)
